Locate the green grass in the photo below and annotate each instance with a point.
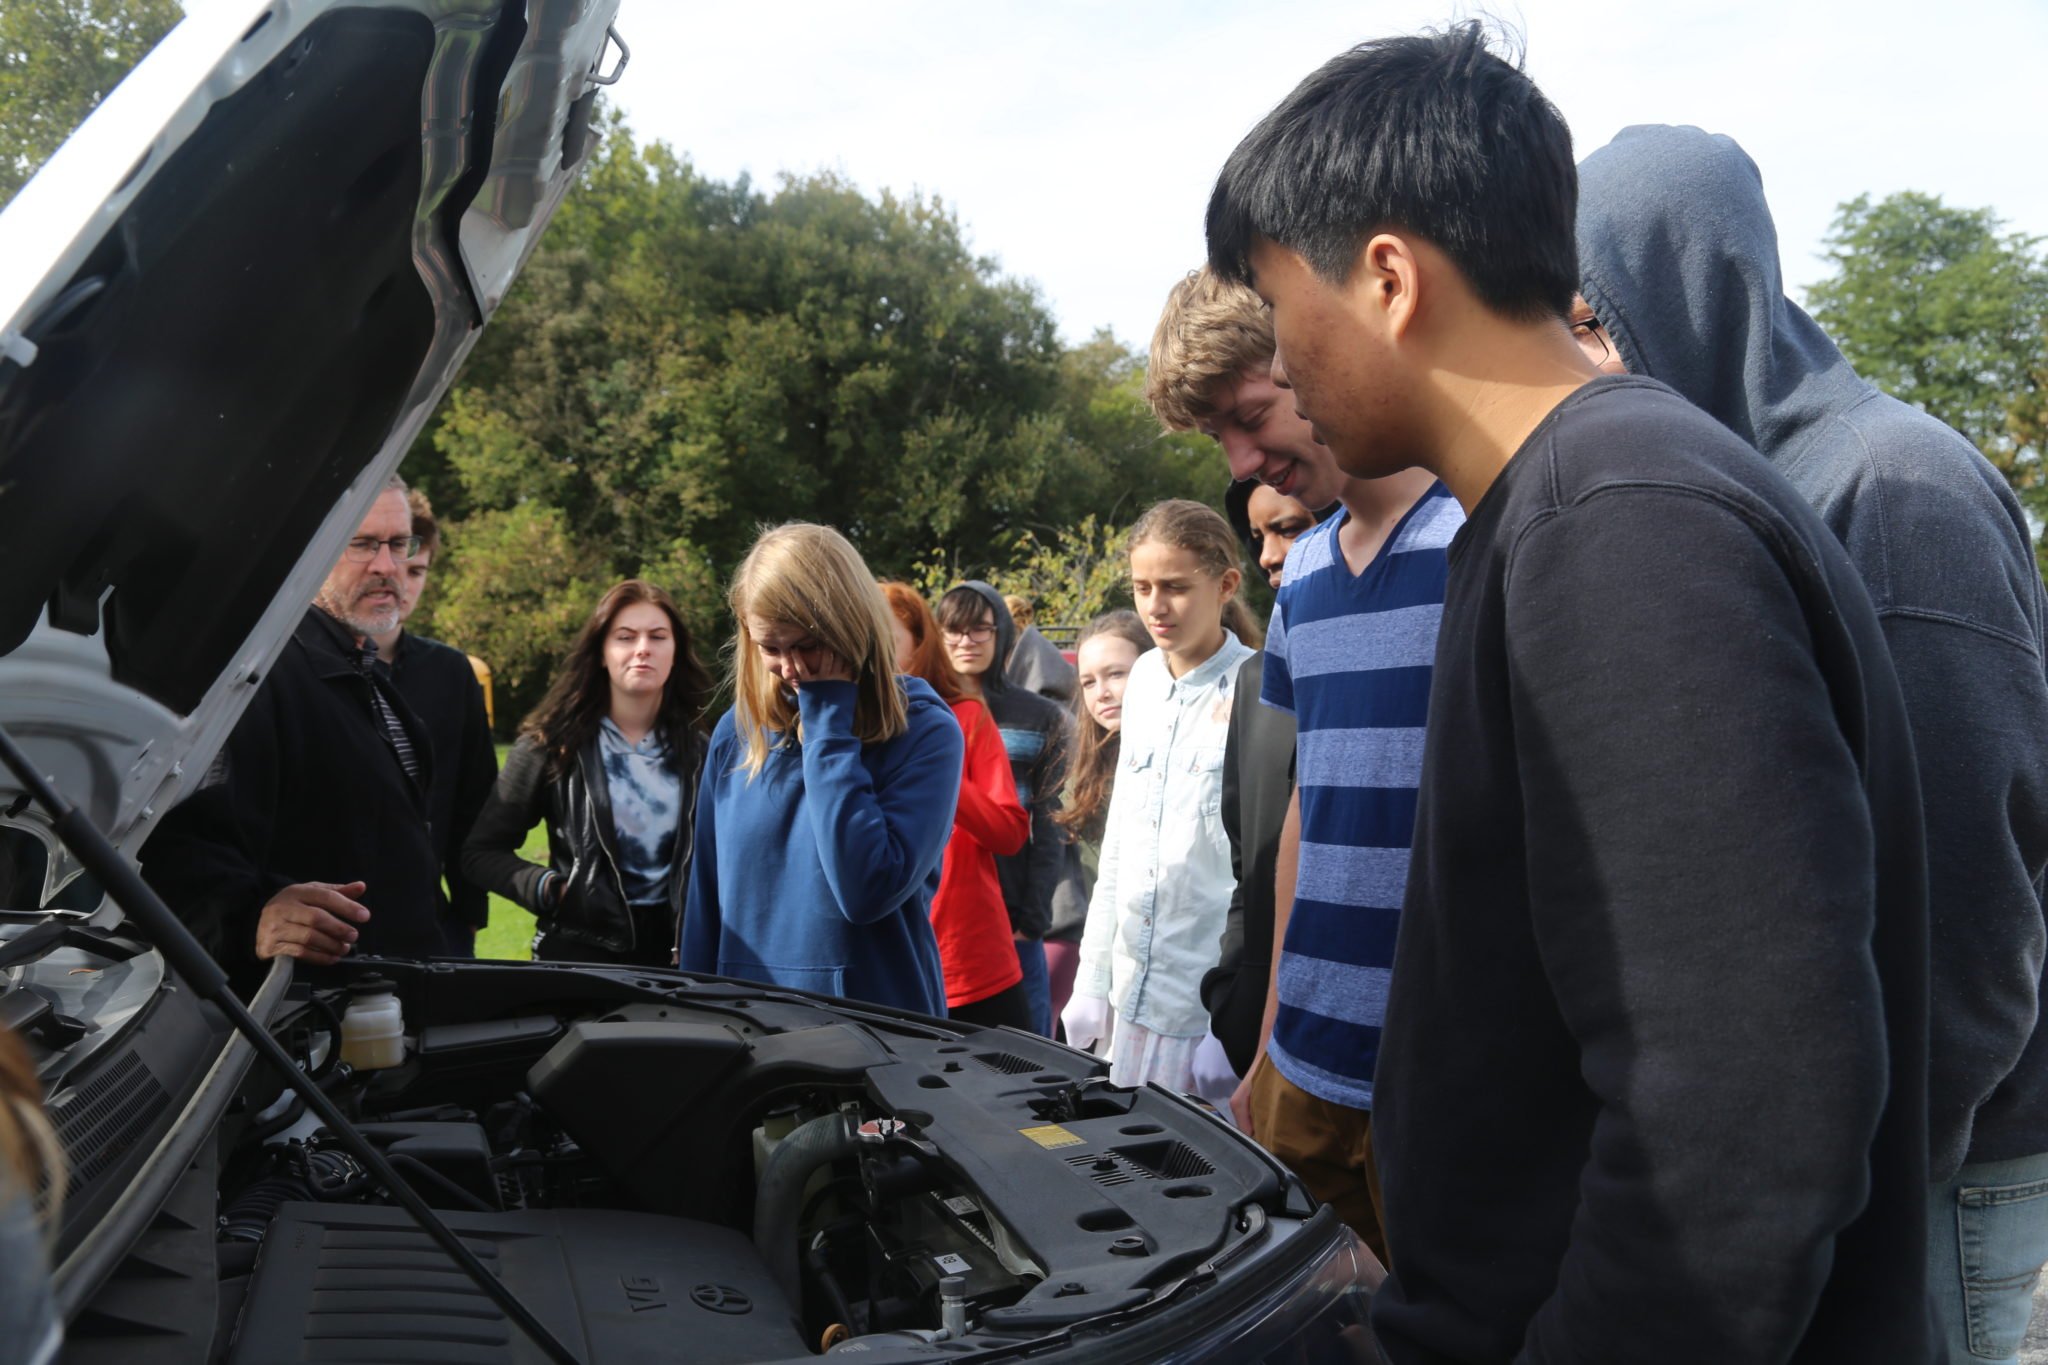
(510, 932)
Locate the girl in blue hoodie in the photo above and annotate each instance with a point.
(828, 793)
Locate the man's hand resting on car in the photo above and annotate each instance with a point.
(312, 921)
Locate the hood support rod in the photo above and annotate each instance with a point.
(192, 962)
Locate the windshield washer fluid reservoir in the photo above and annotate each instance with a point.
(372, 1031)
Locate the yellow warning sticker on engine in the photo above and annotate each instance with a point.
(1051, 1135)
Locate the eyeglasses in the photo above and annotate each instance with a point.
(979, 635)
(1592, 339)
(363, 549)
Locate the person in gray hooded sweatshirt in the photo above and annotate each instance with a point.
(1679, 262)
(978, 632)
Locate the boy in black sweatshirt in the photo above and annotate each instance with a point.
(1679, 259)
(1653, 1079)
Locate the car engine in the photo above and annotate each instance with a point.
(670, 1169)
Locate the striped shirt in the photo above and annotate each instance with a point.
(1349, 657)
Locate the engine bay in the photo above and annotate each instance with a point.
(668, 1169)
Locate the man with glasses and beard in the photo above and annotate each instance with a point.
(309, 837)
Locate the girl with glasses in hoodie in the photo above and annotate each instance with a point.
(829, 792)
(1163, 886)
(978, 633)
(984, 983)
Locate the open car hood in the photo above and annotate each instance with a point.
(227, 305)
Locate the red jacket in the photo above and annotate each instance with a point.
(968, 916)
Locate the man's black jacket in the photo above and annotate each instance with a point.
(1258, 780)
(307, 789)
(440, 686)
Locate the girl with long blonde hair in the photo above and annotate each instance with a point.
(829, 790)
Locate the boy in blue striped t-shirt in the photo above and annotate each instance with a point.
(1349, 657)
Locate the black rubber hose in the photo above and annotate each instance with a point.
(827, 1281)
(333, 1037)
(335, 1174)
(779, 1198)
(248, 1217)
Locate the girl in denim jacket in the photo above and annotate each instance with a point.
(1163, 887)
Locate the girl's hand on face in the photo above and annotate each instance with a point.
(820, 665)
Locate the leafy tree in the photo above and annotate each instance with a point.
(521, 587)
(684, 360)
(58, 60)
(1070, 576)
(1943, 308)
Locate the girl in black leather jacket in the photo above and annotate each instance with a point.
(610, 758)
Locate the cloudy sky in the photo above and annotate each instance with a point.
(1078, 139)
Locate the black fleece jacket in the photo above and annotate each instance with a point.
(1653, 1085)
(1680, 262)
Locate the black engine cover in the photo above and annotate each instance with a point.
(342, 1283)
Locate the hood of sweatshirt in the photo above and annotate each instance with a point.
(997, 680)
(1678, 257)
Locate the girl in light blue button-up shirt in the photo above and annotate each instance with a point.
(1155, 920)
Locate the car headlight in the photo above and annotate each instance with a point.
(1317, 1316)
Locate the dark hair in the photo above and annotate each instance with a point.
(1199, 529)
(1092, 772)
(962, 607)
(423, 523)
(927, 659)
(1432, 134)
(581, 695)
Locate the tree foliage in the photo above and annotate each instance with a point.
(58, 60)
(684, 360)
(523, 588)
(1070, 576)
(1943, 308)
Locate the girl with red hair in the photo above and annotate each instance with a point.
(984, 984)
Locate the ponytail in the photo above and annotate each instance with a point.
(1239, 621)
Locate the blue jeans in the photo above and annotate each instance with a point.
(1987, 1239)
(1037, 984)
